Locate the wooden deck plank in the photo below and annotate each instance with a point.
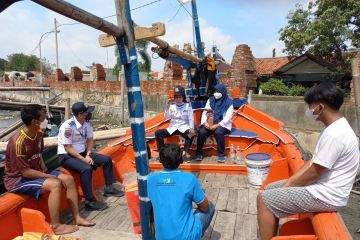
(121, 214)
(219, 180)
(221, 203)
(232, 203)
(212, 194)
(232, 181)
(224, 226)
(101, 234)
(243, 181)
(252, 200)
(243, 201)
(208, 180)
(201, 177)
(246, 227)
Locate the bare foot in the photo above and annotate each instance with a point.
(83, 222)
(60, 229)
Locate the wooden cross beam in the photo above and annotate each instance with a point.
(157, 29)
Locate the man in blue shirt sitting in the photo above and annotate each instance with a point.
(171, 193)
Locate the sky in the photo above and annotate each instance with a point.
(226, 23)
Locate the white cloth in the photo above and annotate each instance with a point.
(337, 149)
(72, 132)
(182, 118)
(226, 122)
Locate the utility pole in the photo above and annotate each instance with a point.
(56, 44)
(128, 56)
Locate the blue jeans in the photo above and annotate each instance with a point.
(85, 170)
(205, 218)
(219, 135)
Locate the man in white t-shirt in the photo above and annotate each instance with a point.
(324, 183)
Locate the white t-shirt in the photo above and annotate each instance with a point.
(337, 149)
(72, 132)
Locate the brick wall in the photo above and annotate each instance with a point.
(243, 70)
(172, 71)
(156, 87)
(76, 74)
(98, 73)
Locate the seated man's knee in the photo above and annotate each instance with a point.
(66, 179)
(53, 184)
(218, 132)
(86, 169)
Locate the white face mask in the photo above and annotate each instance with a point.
(217, 95)
(43, 124)
(309, 113)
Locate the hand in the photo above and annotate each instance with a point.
(287, 184)
(207, 126)
(89, 160)
(168, 103)
(43, 166)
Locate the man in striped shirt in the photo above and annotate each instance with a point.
(26, 173)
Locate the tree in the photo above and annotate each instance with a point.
(25, 63)
(3, 64)
(326, 29)
(144, 65)
(22, 62)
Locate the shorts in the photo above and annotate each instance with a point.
(292, 200)
(31, 186)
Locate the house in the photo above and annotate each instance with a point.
(305, 69)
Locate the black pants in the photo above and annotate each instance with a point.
(85, 170)
(160, 134)
(219, 135)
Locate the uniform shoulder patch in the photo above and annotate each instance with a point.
(67, 132)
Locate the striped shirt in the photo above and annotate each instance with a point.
(22, 152)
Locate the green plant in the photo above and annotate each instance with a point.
(297, 90)
(274, 87)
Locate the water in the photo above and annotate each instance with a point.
(8, 118)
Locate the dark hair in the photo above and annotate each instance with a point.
(171, 156)
(30, 112)
(326, 93)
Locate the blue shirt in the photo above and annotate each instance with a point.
(171, 193)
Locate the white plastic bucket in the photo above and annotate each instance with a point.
(257, 166)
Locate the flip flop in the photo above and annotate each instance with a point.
(90, 224)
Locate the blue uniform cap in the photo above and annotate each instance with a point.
(81, 107)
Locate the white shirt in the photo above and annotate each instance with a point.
(226, 122)
(72, 132)
(182, 118)
(337, 149)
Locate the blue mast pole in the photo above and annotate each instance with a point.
(200, 50)
(128, 56)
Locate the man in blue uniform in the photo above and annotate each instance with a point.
(181, 120)
(171, 193)
(75, 150)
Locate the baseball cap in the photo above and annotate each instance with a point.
(81, 107)
(179, 91)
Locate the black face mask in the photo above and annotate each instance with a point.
(88, 117)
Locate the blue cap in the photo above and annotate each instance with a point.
(80, 107)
